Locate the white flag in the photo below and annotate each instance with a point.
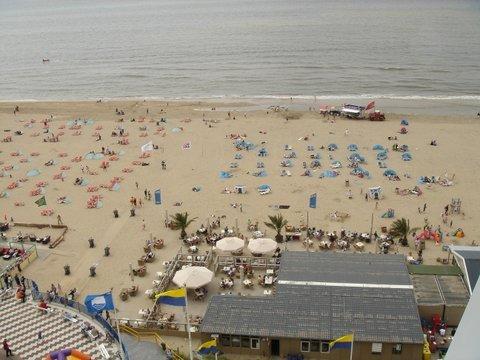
(147, 147)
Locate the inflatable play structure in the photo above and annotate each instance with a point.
(429, 235)
(68, 354)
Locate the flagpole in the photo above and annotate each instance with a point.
(351, 348)
(122, 354)
(188, 325)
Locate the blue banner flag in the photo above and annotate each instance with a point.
(313, 201)
(158, 197)
(99, 303)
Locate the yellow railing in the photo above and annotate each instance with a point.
(148, 335)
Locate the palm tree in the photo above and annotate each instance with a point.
(401, 229)
(277, 223)
(180, 221)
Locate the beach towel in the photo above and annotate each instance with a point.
(33, 172)
(147, 147)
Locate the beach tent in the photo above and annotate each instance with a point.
(230, 244)
(262, 245)
(406, 156)
(332, 147)
(315, 163)
(261, 173)
(238, 156)
(243, 145)
(360, 171)
(356, 157)
(240, 189)
(193, 277)
(375, 192)
(317, 156)
(264, 189)
(329, 173)
(225, 175)
(378, 147)
(404, 122)
(352, 147)
(335, 164)
(233, 165)
(290, 155)
(286, 163)
(287, 147)
(262, 152)
(260, 165)
(382, 155)
(310, 148)
(33, 172)
(389, 172)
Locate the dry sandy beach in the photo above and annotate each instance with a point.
(211, 152)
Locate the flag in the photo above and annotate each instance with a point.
(147, 147)
(209, 347)
(158, 197)
(313, 201)
(172, 297)
(41, 201)
(344, 342)
(187, 145)
(98, 303)
(370, 105)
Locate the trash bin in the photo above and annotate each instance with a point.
(107, 251)
(66, 269)
(91, 243)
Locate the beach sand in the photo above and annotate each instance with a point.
(210, 153)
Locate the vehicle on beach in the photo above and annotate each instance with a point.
(376, 116)
(353, 111)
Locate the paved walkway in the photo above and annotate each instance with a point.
(142, 350)
(21, 322)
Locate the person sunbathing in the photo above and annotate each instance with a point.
(49, 163)
(78, 181)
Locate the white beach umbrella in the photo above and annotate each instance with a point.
(230, 244)
(262, 245)
(193, 277)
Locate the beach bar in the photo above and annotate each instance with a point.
(319, 298)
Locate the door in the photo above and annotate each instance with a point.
(275, 347)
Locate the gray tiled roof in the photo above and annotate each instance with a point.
(325, 312)
(344, 268)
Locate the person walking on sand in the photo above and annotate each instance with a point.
(59, 220)
(136, 184)
(424, 207)
(145, 193)
(6, 347)
(143, 225)
(140, 203)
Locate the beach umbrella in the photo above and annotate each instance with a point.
(230, 244)
(262, 245)
(193, 277)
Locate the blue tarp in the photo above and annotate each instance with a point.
(356, 157)
(263, 187)
(238, 156)
(261, 173)
(378, 147)
(225, 175)
(406, 156)
(336, 164)
(332, 147)
(360, 171)
(243, 145)
(329, 173)
(404, 122)
(262, 152)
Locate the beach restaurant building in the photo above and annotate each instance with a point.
(320, 297)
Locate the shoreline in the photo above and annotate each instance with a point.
(466, 107)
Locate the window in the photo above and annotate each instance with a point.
(245, 342)
(254, 343)
(225, 340)
(376, 348)
(325, 347)
(397, 349)
(314, 345)
(236, 341)
(305, 346)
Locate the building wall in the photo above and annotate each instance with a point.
(427, 311)
(362, 351)
(453, 314)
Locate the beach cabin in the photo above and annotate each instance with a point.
(319, 297)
